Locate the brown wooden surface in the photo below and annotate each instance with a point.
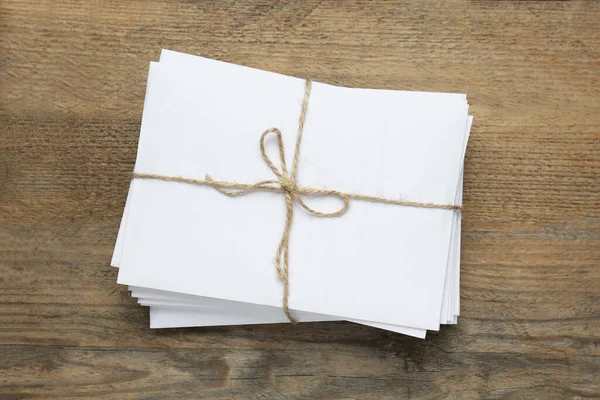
(72, 82)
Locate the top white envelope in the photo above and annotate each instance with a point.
(377, 262)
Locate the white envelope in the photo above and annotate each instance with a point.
(179, 160)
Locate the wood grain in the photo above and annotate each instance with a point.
(72, 82)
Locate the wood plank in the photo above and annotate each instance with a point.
(72, 82)
(367, 373)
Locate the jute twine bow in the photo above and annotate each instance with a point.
(286, 184)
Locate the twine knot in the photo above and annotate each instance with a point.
(287, 185)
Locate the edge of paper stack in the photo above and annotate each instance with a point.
(200, 305)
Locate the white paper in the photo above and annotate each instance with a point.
(328, 159)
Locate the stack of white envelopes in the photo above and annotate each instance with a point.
(200, 234)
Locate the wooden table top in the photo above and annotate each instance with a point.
(72, 84)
